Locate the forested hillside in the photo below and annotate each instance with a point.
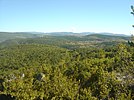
(68, 41)
(13, 35)
(67, 68)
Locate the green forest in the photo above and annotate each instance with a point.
(92, 67)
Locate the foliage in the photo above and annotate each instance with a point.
(44, 72)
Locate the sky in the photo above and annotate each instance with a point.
(66, 16)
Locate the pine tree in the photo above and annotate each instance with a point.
(131, 42)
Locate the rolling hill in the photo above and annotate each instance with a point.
(66, 40)
(13, 35)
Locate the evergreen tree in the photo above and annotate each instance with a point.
(131, 42)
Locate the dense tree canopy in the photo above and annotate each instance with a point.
(39, 71)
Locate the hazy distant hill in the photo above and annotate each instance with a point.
(65, 41)
(103, 37)
(81, 34)
(13, 35)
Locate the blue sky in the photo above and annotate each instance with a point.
(66, 15)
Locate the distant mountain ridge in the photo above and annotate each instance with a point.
(82, 33)
(62, 39)
(14, 35)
